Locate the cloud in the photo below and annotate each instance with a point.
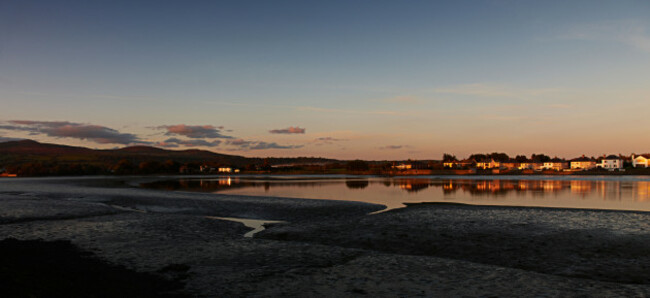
(175, 142)
(496, 90)
(497, 117)
(239, 142)
(629, 32)
(259, 145)
(289, 130)
(195, 131)
(265, 145)
(402, 99)
(326, 110)
(64, 129)
(394, 147)
(329, 139)
(560, 106)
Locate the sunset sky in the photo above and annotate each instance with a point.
(339, 79)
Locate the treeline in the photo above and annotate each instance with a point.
(54, 169)
(122, 167)
(128, 167)
(499, 156)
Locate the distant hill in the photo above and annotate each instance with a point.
(36, 148)
(25, 151)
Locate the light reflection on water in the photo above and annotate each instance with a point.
(623, 194)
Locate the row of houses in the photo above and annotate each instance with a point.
(221, 169)
(611, 162)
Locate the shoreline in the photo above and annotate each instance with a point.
(334, 248)
(427, 172)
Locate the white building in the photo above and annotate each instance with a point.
(611, 163)
(556, 164)
(642, 160)
(403, 166)
(583, 163)
(531, 165)
(488, 164)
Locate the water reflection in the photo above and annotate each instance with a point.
(357, 184)
(393, 192)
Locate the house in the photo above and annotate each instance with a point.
(225, 170)
(611, 163)
(556, 164)
(206, 169)
(403, 166)
(583, 163)
(413, 165)
(466, 163)
(642, 160)
(450, 163)
(510, 164)
(488, 164)
(531, 165)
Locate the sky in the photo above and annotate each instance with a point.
(337, 79)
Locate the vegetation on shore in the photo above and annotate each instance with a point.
(30, 158)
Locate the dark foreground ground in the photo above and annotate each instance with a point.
(37, 268)
(100, 238)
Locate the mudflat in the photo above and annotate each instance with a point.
(326, 248)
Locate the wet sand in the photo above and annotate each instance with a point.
(330, 248)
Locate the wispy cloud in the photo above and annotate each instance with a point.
(328, 140)
(495, 90)
(503, 117)
(195, 131)
(629, 32)
(560, 106)
(89, 96)
(394, 147)
(402, 99)
(327, 110)
(288, 130)
(64, 129)
(258, 145)
(265, 145)
(175, 142)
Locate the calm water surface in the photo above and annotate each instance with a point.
(610, 192)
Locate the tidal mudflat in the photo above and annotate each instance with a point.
(331, 248)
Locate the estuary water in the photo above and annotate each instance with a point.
(590, 192)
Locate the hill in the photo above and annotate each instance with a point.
(26, 153)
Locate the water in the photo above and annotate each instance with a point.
(606, 192)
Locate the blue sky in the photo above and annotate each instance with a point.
(361, 79)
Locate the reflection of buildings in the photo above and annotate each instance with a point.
(580, 187)
(641, 191)
(500, 186)
(552, 185)
(609, 190)
(413, 185)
